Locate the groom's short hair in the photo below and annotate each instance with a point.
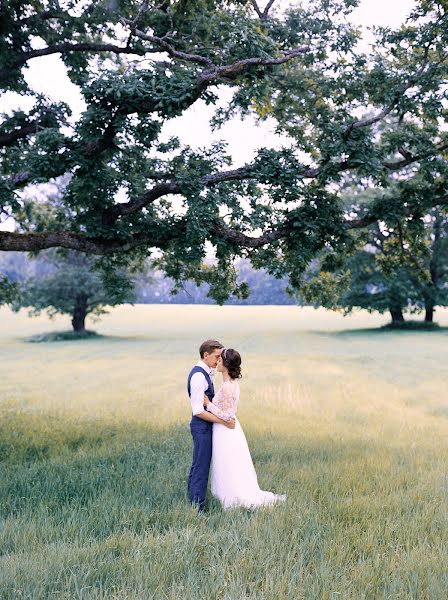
(208, 346)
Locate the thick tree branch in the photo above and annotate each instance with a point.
(229, 70)
(257, 8)
(74, 241)
(63, 48)
(361, 222)
(241, 240)
(23, 178)
(368, 121)
(164, 45)
(90, 245)
(170, 187)
(410, 159)
(213, 71)
(7, 139)
(265, 13)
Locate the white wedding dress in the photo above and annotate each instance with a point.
(234, 480)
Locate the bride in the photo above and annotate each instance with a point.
(234, 480)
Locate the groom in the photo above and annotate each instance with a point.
(201, 425)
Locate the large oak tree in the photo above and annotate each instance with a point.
(372, 119)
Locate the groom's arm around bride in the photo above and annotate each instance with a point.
(202, 413)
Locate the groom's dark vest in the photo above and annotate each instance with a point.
(209, 392)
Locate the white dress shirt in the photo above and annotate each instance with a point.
(198, 385)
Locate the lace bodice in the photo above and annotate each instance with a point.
(225, 401)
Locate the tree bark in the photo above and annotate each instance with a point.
(397, 314)
(429, 313)
(431, 292)
(80, 313)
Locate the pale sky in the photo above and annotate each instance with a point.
(47, 75)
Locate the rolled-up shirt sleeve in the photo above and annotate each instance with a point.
(198, 385)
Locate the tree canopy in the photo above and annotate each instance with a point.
(376, 119)
(399, 269)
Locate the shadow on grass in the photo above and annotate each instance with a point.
(92, 336)
(63, 336)
(409, 327)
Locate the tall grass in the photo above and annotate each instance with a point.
(95, 449)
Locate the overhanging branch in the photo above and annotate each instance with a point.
(10, 241)
(410, 159)
(424, 70)
(64, 239)
(213, 71)
(242, 240)
(10, 137)
(219, 229)
(64, 48)
(171, 187)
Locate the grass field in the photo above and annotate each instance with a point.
(350, 422)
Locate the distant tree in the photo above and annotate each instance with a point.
(398, 269)
(264, 289)
(74, 287)
(8, 291)
(13, 269)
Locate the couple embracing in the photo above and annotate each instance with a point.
(218, 438)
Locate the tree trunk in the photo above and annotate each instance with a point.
(429, 313)
(397, 314)
(80, 313)
(432, 288)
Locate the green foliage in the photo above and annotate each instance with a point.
(8, 291)
(398, 268)
(74, 284)
(374, 119)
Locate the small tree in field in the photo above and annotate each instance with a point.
(73, 288)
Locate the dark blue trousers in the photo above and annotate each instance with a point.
(202, 455)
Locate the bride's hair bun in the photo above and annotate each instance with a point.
(231, 359)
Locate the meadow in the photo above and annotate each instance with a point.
(349, 420)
